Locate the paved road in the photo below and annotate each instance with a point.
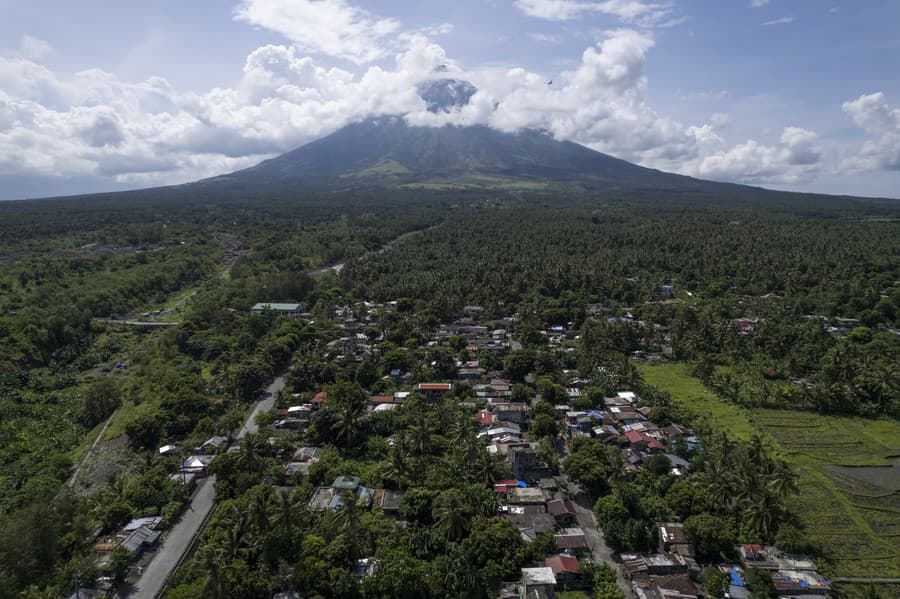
(178, 539)
(137, 323)
(267, 403)
(600, 551)
(176, 543)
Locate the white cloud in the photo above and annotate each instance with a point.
(781, 21)
(34, 48)
(92, 124)
(330, 27)
(758, 3)
(873, 114)
(795, 160)
(636, 12)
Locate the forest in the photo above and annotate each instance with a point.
(819, 279)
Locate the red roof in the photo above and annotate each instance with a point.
(485, 417)
(653, 443)
(382, 399)
(501, 486)
(435, 386)
(634, 437)
(320, 397)
(562, 563)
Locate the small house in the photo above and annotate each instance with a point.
(289, 310)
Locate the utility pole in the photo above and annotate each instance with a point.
(77, 584)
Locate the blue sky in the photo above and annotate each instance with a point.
(789, 94)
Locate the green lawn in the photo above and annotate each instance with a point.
(852, 519)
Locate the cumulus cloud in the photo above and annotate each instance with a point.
(330, 27)
(795, 160)
(873, 114)
(637, 12)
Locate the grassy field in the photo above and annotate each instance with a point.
(848, 500)
(690, 394)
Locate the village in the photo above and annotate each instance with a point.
(537, 497)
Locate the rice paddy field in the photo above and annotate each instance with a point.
(848, 468)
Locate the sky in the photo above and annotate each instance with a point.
(788, 94)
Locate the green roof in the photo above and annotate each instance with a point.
(350, 483)
(277, 307)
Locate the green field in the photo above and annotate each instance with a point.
(690, 394)
(848, 500)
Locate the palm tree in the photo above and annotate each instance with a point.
(212, 561)
(345, 519)
(715, 479)
(486, 466)
(763, 513)
(451, 519)
(420, 436)
(289, 510)
(398, 461)
(349, 401)
(784, 481)
(253, 449)
(260, 502)
(451, 514)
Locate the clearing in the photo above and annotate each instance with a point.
(848, 471)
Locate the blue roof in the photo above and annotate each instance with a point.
(522, 484)
(595, 414)
(736, 579)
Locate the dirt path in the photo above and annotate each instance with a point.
(71, 482)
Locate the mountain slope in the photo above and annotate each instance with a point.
(387, 151)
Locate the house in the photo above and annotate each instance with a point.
(345, 483)
(642, 566)
(485, 419)
(792, 583)
(470, 374)
(675, 587)
(319, 398)
(290, 310)
(667, 292)
(510, 411)
(643, 441)
(321, 498)
(531, 524)
(566, 569)
(562, 511)
(572, 540)
(746, 326)
(387, 501)
(679, 465)
(673, 540)
(524, 463)
(140, 539)
(381, 399)
(751, 554)
(525, 495)
(538, 582)
(197, 464)
(213, 443)
(434, 391)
